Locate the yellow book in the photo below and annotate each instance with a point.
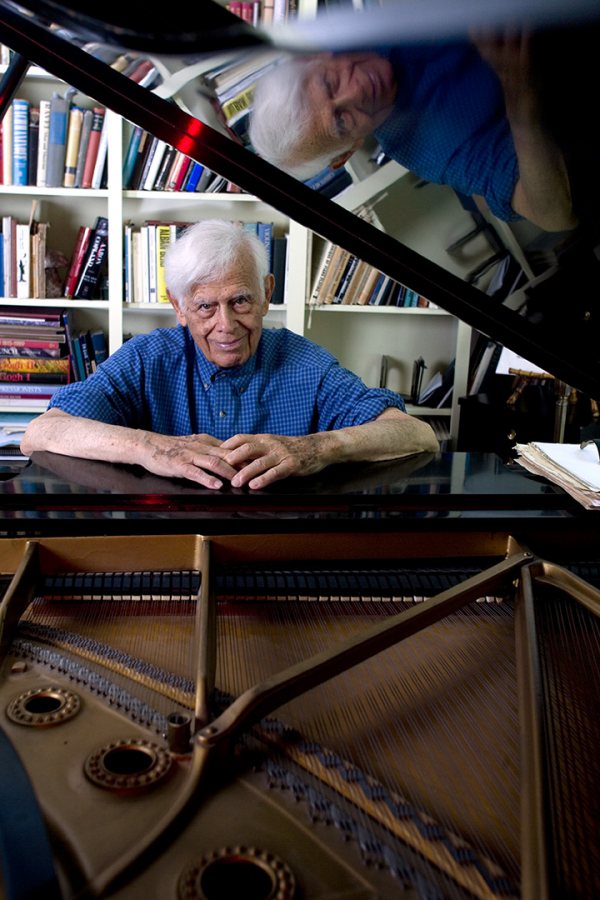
(163, 239)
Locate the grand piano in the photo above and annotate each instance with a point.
(378, 682)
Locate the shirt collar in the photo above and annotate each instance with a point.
(240, 376)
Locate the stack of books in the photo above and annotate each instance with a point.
(34, 357)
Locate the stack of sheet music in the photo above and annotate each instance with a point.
(574, 468)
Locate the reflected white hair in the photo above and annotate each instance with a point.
(205, 251)
(281, 118)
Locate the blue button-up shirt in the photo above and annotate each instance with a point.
(162, 382)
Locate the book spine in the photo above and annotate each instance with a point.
(33, 377)
(264, 232)
(93, 143)
(73, 137)
(191, 182)
(100, 162)
(131, 155)
(152, 172)
(42, 159)
(26, 364)
(57, 141)
(165, 167)
(20, 142)
(7, 146)
(25, 389)
(33, 145)
(93, 262)
(99, 347)
(23, 248)
(163, 239)
(79, 250)
(84, 138)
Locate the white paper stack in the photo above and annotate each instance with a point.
(575, 469)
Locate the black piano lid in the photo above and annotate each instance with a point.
(558, 329)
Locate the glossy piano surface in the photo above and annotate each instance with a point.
(55, 492)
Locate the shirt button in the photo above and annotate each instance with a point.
(222, 413)
(206, 385)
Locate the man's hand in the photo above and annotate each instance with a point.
(261, 459)
(197, 457)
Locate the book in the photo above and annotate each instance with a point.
(34, 377)
(38, 401)
(131, 155)
(57, 138)
(23, 251)
(43, 136)
(84, 138)
(33, 347)
(80, 248)
(86, 355)
(93, 143)
(99, 347)
(9, 248)
(93, 262)
(147, 141)
(75, 122)
(26, 389)
(191, 182)
(66, 321)
(27, 364)
(158, 152)
(33, 145)
(166, 164)
(20, 141)
(29, 316)
(178, 171)
(264, 231)
(278, 268)
(101, 155)
(163, 239)
(7, 145)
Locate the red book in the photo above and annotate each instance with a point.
(175, 178)
(79, 251)
(92, 149)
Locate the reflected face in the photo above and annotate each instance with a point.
(225, 317)
(350, 95)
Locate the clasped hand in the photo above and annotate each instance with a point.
(253, 460)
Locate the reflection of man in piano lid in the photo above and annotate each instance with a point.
(463, 114)
(217, 399)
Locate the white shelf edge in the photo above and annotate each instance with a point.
(358, 308)
(30, 190)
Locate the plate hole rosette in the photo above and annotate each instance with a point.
(43, 707)
(128, 766)
(238, 872)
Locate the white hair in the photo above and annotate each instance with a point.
(205, 251)
(280, 119)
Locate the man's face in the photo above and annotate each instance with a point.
(350, 95)
(225, 317)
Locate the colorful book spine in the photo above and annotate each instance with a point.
(7, 148)
(93, 262)
(163, 239)
(77, 257)
(75, 123)
(20, 141)
(42, 160)
(26, 364)
(34, 377)
(93, 143)
(57, 140)
(131, 155)
(100, 163)
(84, 138)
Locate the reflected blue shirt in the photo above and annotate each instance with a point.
(449, 126)
(162, 382)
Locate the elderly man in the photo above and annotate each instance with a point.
(217, 399)
(463, 114)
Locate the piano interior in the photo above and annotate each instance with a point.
(385, 717)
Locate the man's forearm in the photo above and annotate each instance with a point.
(392, 435)
(68, 435)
